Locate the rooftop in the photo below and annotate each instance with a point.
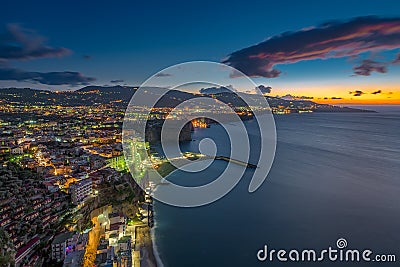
(62, 237)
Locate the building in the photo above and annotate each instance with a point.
(62, 245)
(124, 244)
(114, 232)
(51, 187)
(17, 150)
(124, 252)
(117, 218)
(26, 251)
(80, 190)
(74, 259)
(116, 228)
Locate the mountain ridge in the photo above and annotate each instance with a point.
(120, 96)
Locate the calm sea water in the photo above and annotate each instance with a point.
(335, 175)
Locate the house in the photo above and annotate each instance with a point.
(63, 244)
(80, 190)
(51, 187)
(25, 251)
(18, 150)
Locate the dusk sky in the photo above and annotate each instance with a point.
(333, 51)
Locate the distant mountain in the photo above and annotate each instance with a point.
(118, 89)
(216, 90)
(107, 89)
(89, 95)
(121, 95)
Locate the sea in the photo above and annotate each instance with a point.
(335, 176)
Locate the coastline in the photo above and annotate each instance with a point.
(173, 229)
(155, 250)
(156, 253)
(146, 246)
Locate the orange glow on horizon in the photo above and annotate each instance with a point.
(388, 94)
(357, 102)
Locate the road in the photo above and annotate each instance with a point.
(93, 242)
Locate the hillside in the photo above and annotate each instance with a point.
(121, 95)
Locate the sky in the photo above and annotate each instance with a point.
(344, 52)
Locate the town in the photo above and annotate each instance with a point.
(66, 196)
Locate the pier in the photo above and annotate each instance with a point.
(224, 158)
(242, 163)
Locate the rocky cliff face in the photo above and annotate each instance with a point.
(153, 131)
(186, 133)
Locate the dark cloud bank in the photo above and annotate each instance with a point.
(50, 78)
(330, 40)
(20, 44)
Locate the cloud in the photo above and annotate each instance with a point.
(116, 81)
(330, 40)
(18, 43)
(162, 74)
(49, 78)
(357, 93)
(335, 98)
(368, 66)
(396, 60)
(264, 89)
(217, 90)
(377, 92)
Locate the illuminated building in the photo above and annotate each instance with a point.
(62, 245)
(80, 190)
